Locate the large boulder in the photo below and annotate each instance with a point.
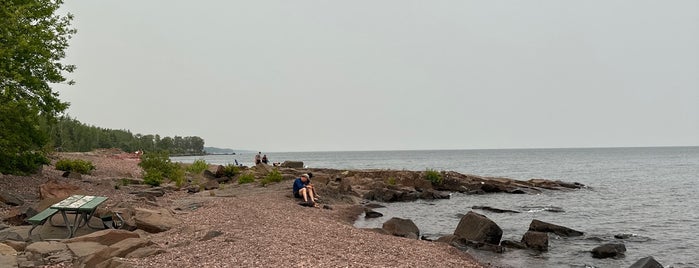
(540, 226)
(402, 227)
(464, 244)
(56, 189)
(479, 228)
(155, 221)
(119, 249)
(647, 262)
(611, 250)
(292, 164)
(536, 240)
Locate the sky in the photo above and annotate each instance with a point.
(321, 75)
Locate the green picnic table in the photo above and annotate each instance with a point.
(83, 206)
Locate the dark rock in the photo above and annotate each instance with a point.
(209, 175)
(10, 199)
(647, 262)
(496, 210)
(219, 171)
(72, 175)
(401, 227)
(374, 205)
(479, 228)
(611, 250)
(430, 194)
(463, 244)
(541, 226)
(292, 164)
(392, 195)
(193, 189)
(624, 236)
(513, 244)
(368, 213)
(536, 240)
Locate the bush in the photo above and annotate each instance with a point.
(198, 166)
(391, 181)
(157, 166)
(153, 177)
(246, 178)
(274, 176)
(433, 176)
(75, 165)
(230, 170)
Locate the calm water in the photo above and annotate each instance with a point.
(648, 192)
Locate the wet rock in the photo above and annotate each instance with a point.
(611, 250)
(536, 240)
(401, 227)
(463, 244)
(496, 210)
(479, 228)
(513, 244)
(540, 226)
(647, 262)
(368, 213)
(10, 199)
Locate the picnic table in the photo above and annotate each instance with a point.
(83, 206)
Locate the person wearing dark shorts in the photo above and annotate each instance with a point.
(303, 189)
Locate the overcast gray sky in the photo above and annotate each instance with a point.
(390, 75)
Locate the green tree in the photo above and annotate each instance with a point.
(33, 39)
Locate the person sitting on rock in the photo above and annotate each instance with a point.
(264, 160)
(303, 189)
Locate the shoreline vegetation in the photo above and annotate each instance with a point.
(213, 220)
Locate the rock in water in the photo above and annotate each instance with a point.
(541, 226)
(402, 227)
(608, 251)
(536, 240)
(647, 262)
(476, 227)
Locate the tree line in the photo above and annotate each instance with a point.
(70, 135)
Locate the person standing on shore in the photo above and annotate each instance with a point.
(258, 160)
(303, 189)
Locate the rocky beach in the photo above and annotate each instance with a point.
(215, 222)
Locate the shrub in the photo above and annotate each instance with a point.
(246, 178)
(230, 170)
(198, 166)
(157, 166)
(391, 181)
(75, 165)
(153, 177)
(274, 176)
(433, 176)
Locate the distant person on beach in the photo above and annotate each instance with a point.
(265, 160)
(258, 159)
(303, 189)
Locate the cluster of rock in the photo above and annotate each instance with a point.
(479, 232)
(98, 249)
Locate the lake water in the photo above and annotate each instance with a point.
(648, 192)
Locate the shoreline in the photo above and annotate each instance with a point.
(259, 226)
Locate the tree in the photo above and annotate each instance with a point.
(33, 39)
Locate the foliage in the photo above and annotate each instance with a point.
(157, 166)
(391, 181)
(433, 176)
(32, 43)
(274, 176)
(246, 178)
(69, 134)
(153, 177)
(76, 165)
(198, 166)
(230, 170)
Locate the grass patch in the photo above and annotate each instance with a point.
(75, 165)
(433, 176)
(274, 176)
(246, 178)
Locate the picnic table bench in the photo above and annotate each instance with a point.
(83, 206)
